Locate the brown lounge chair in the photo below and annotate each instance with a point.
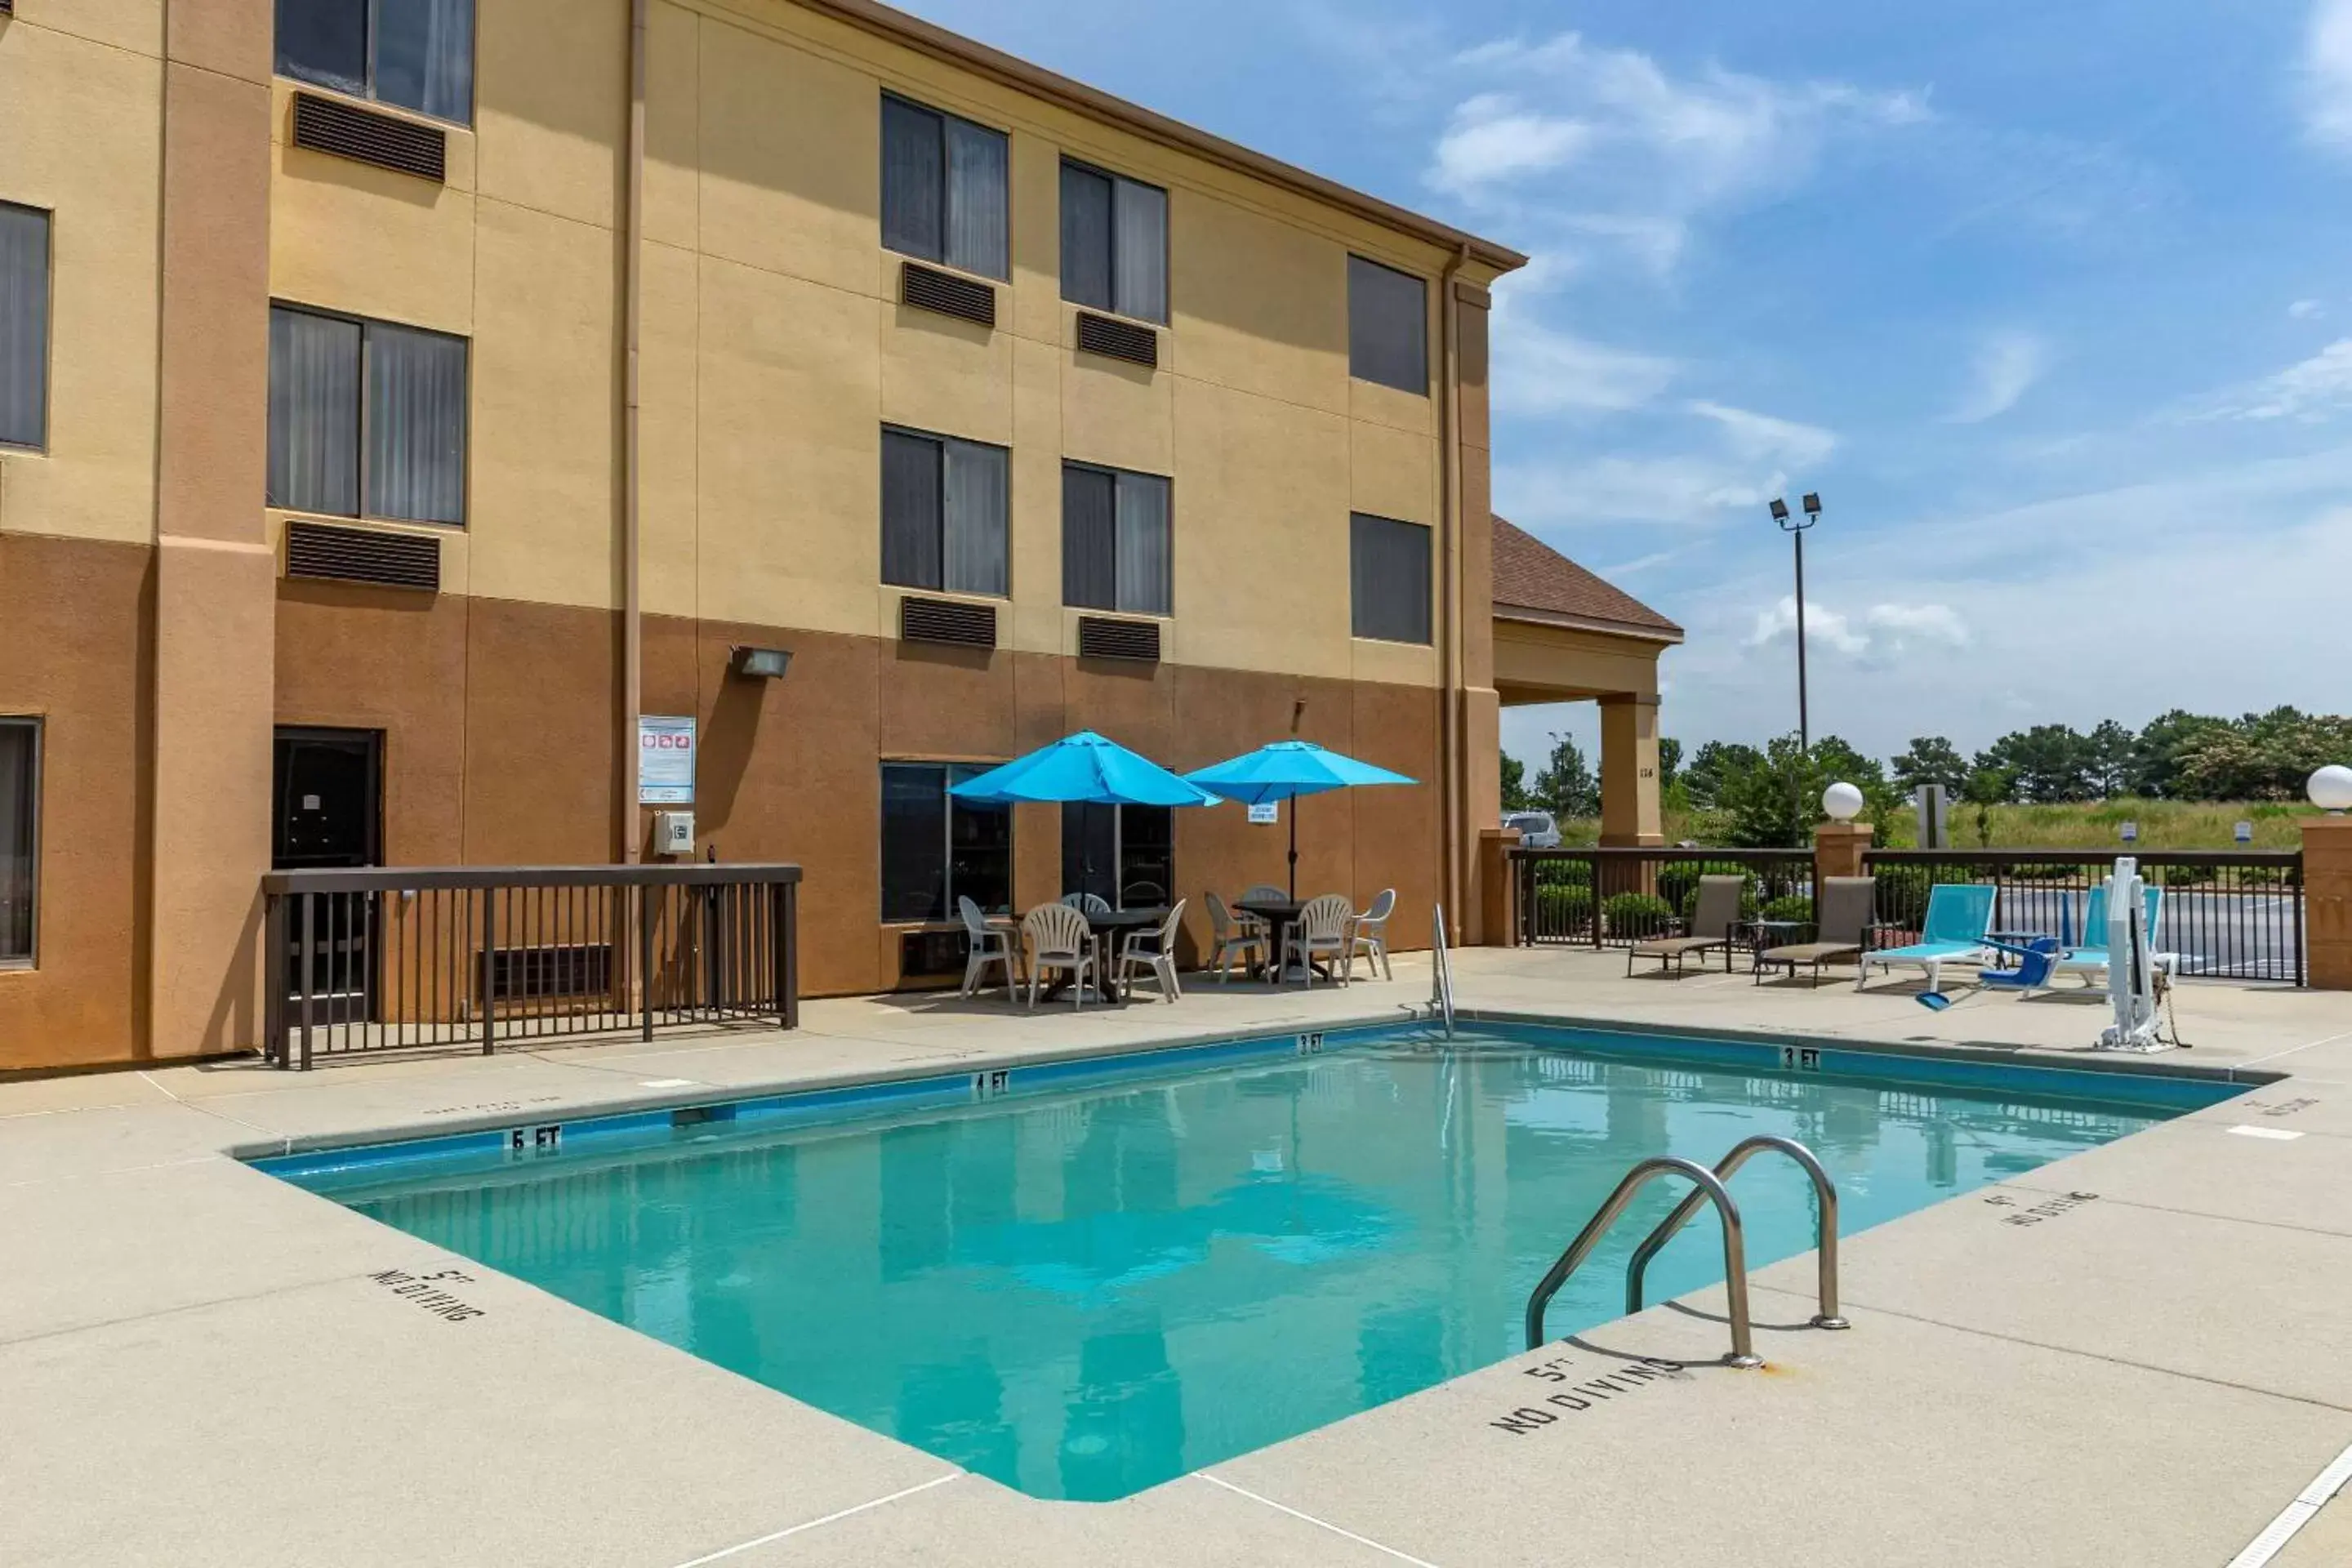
(1713, 919)
(1842, 929)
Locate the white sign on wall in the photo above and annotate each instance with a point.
(1265, 811)
(665, 760)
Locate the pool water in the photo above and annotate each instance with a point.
(1087, 1292)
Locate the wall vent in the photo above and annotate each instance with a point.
(322, 550)
(1102, 637)
(923, 953)
(525, 972)
(928, 289)
(947, 621)
(1117, 340)
(347, 131)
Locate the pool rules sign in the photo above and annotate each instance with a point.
(665, 760)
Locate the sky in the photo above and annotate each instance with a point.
(2053, 305)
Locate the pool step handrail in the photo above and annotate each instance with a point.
(1441, 969)
(1709, 1189)
(1825, 1223)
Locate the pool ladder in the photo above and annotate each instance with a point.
(1440, 970)
(1707, 1186)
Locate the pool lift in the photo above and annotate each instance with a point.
(2131, 966)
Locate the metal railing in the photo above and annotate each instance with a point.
(1441, 969)
(1710, 1188)
(1616, 898)
(2234, 914)
(1825, 1223)
(399, 958)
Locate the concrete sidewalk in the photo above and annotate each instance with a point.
(199, 1364)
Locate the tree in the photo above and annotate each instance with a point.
(1669, 762)
(1774, 800)
(1567, 787)
(2156, 754)
(2049, 762)
(1516, 795)
(1986, 788)
(1711, 765)
(1931, 759)
(2264, 756)
(2111, 753)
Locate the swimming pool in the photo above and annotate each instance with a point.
(1083, 1278)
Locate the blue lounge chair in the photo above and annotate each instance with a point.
(1958, 916)
(2088, 958)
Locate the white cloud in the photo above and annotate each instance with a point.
(2328, 75)
(1492, 138)
(1541, 370)
(1609, 146)
(2006, 367)
(2306, 310)
(1880, 636)
(1753, 435)
(2309, 391)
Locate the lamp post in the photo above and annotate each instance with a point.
(1795, 529)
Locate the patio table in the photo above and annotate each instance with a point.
(1280, 915)
(1104, 928)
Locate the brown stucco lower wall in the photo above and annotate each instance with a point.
(75, 649)
(498, 721)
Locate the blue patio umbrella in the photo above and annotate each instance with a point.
(1081, 768)
(1286, 770)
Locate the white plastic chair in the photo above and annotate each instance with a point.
(1265, 892)
(1154, 950)
(1233, 937)
(1368, 933)
(1321, 930)
(1059, 939)
(989, 944)
(1087, 903)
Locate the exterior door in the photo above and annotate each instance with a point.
(327, 804)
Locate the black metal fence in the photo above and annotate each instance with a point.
(2233, 914)
(395, 958)
(1615, 898)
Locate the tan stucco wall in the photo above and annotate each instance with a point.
(774, 350)
(1564, 664)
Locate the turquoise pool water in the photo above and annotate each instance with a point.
(1085, 1290)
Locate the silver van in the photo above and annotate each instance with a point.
(1537, 830)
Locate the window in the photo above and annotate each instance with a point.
(1388, 576)
(417, 54)
(944, 189)
(24, 326)
(945, 514)
(936, 848)
(1387, 326)
(20, 784)
(1114, 242)
(1124, 855)
(1115, 545)
(366, 419)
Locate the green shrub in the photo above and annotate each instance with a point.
(1563, 909)
(2052, 871)
(1902, 894)
(1750, 897)
(1678, 879)
(1563, 873)
(1793, 907)
(1636, 914)
(2182, 876)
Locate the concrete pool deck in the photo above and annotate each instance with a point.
(200, 1364)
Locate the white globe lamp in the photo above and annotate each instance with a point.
(2331, 789)
(1843, 802)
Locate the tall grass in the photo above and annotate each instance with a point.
(2091, 825)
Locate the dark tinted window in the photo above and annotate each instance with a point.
(945, 189)
(1116, 541)
(1114, 242)
(324, 41)
(365, 418)
(936, 849)
(1124, 855)
(1388, 576)
(1387, 326)
(419, 54)
(20, 751)
(24, 325)
(946, 513)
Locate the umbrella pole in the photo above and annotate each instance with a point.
(1294, 848)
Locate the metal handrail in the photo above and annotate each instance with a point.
(1734, 1252)
(1825, 1223)
(1441, 969)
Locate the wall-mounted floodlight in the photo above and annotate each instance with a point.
(761, 663)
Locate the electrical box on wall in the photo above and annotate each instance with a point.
(673, 833)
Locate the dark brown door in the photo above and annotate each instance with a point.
(327, 804)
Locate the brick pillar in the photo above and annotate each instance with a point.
(2327, 902)
(1838, 848)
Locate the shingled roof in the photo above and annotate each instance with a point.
(1537, 581)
